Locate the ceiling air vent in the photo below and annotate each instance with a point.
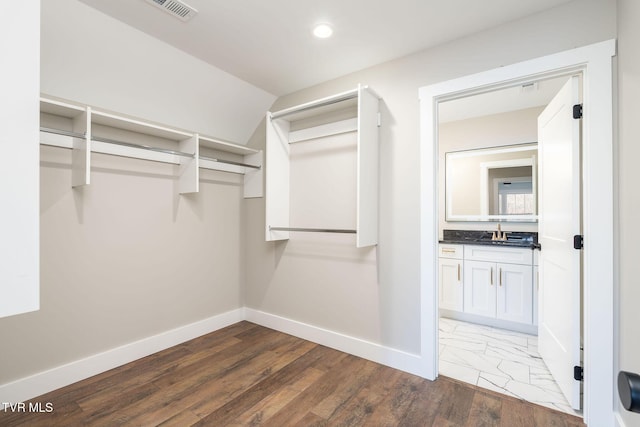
(176, 8)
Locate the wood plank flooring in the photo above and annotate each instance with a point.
(248, 375)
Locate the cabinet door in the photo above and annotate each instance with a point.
(451, 289)
(480, 288)
(515, 293)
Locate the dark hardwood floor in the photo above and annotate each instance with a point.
(248, 375)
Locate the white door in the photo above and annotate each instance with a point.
(559, 220)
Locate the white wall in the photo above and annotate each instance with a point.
(386, 303)
(123, 259)
(126, 257)
(91, 58)
(628, 196)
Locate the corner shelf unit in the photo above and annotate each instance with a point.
(87, 130)
(317, 119)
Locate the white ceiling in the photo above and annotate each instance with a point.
(269, 43)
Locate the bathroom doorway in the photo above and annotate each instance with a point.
(595, 63)
(489, 160)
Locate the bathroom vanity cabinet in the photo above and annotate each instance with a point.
(488, 284)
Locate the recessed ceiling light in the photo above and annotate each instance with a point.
(322, 31)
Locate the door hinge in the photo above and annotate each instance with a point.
(578, 373)
(578, 241)
(577, 111)
(379, 120)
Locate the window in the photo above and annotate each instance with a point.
(515, 197)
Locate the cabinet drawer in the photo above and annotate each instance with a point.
(451, 251)
(498, 254)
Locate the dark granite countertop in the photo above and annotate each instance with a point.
(517, 239)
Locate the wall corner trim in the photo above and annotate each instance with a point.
(60, 376)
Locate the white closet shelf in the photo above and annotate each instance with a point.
(86, 130)
(60, 108)
(138, 126)
(221, 145)
(351, 111)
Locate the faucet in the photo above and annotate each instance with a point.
(499, 235)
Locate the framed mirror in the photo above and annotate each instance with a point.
(492, 184)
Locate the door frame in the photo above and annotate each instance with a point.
(595, 63)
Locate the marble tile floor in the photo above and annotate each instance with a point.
(499, 360)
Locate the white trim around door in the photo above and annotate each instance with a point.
(595, 64)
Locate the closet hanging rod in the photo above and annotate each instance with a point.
(313, 230)
(229, 162)
(144, 147)
(316, 104)
(141, 146)
(62, 132)
(112, 141)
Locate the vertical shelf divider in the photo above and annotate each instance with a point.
(367, 169)
(81, 157)
(277, 182)
(189, 181)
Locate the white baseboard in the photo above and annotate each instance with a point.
(61, 376)
(52, 379)
(411, 363)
